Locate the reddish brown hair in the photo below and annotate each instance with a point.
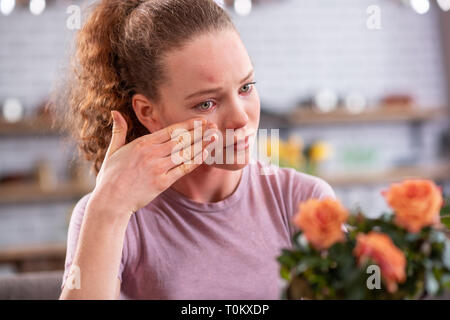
(119, 53)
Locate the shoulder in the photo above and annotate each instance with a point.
(288, 187)
(312, 186)
(80, 206)
(301, 186)
(77, 215)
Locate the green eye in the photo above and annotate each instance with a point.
(248, 86)
(204, 106)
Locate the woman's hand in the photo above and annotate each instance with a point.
(133, 174)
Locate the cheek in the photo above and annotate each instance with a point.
(254, 108)
(172, 115)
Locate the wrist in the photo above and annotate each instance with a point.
(102, 208)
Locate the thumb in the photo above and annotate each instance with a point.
(119, 133)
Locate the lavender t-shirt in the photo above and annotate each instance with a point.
(176, 248)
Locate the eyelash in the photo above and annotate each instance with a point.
(248, 92)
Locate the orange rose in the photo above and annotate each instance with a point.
(321, 221)
(380, 248)
(416, 203)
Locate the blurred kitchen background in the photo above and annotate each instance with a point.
(358, 88)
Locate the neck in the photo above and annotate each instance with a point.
(208, 184)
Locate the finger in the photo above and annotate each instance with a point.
(186, 167)
(176, 129)
(190, 152)
(185, 140)
(119, 133)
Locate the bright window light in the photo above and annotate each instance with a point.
(37, 6)
(420, 6)
(7, 6)
(243, 7)
(444, 4)
(12, 110)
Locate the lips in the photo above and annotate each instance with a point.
(242, 146)
(241, 142)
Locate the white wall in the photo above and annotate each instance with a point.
(299, 46)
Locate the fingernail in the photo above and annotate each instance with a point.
(212, 137)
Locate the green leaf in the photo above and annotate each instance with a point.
(446, 207)
(285, 273)
(445, 280)
(287, 260)
(446, 221)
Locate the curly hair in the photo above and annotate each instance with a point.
(119, 52)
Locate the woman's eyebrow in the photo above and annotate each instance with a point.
(213, 90)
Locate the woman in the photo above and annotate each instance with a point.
(153, 228)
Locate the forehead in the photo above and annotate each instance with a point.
(212, 58)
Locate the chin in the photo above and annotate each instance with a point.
(238, 162)
(230, 167)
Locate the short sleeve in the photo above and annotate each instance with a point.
(322, 189)
(303, 187)
(73, 234)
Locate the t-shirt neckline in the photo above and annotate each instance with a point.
(174, 196)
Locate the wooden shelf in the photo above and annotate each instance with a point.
(41, 257)
(13, 193)
(13, 254)
(379, 114)
(298, 117)
(436, 172)
(28, 128)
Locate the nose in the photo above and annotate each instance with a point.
(236, 117)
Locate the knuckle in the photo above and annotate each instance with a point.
(140, 145)
(170, 131)
(185, 156)
(180, 140)
(152, 151)
(175, 145)
(184, 168)
(159, 168)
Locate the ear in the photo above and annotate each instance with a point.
(147, 112)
